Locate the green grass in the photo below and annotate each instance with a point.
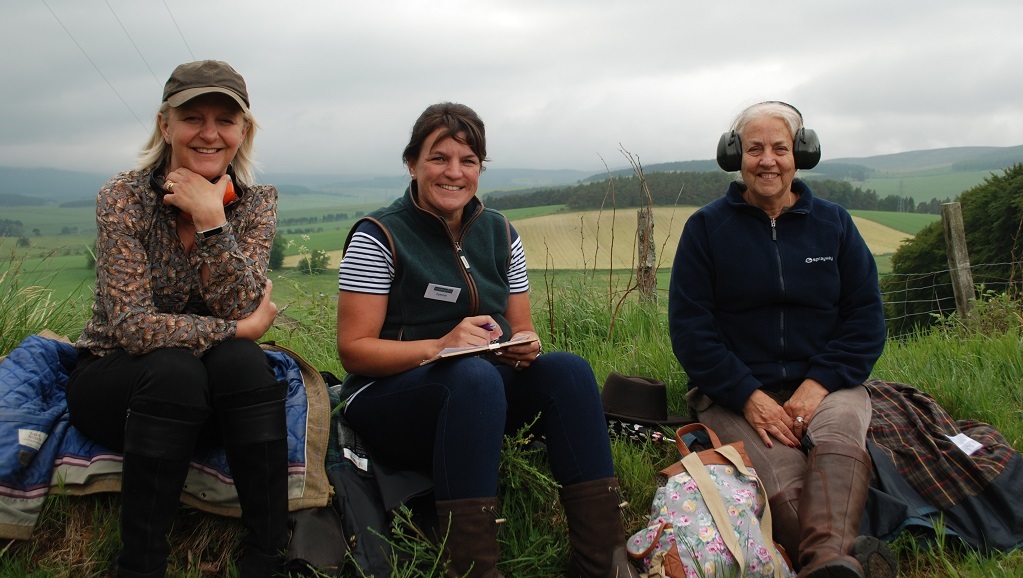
(51, 219)
(591, 313)
(972, 375)
(921, 186)
(28, 304)
(66, 277)
(884, 264)
(528, 212)
(906, 222)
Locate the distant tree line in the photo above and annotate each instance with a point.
(90, 202)
(11, 228)
(920, 285)
(302, 231)
(292, 221)
(9, 200)
(693, 189)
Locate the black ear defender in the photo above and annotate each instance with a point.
(806, 148)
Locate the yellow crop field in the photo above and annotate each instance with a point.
(604, 240)
(607, 240)
(597, 239)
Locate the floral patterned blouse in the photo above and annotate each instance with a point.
(149, 293)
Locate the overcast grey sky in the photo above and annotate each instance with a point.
(336, 85)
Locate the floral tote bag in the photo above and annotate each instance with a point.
(709, 518)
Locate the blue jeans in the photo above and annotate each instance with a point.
(449, 418)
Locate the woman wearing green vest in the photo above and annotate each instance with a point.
(436, 270)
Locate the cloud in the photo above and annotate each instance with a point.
(568, 84)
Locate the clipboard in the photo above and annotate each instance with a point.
(453, 352)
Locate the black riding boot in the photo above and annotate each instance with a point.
(158, 442)
(256, 440)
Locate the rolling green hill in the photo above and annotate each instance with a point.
(922, 175)
(931, 174)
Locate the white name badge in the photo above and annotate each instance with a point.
(442, 292)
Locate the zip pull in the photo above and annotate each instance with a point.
(461, 255)
(617, 491)
(498, 520)
(774, 230)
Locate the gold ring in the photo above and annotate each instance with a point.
(168, 184)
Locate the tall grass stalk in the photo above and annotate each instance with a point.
(27, 309)
(971, 375)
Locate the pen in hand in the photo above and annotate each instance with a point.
(491, 327)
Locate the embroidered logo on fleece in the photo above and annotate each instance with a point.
(819, 259)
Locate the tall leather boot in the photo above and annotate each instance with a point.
(830, 507)
(785, 523)
(875, 557)
(158, 444)
(595, 532)
(471, 546)
(255, 439)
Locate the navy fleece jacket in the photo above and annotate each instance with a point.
(756, 302)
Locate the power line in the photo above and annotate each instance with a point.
(100, 72)
(130, 39)
(179, 29)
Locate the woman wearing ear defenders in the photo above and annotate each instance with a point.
(776, 316)
(168, 361)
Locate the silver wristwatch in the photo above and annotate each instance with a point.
(203, 235)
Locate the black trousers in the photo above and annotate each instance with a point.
(101, 390)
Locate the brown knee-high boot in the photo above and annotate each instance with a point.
(785, 523)
(830, 507)
(471, 543)
(595, 530)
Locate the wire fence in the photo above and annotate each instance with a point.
(910, 297)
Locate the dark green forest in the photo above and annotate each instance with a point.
(684, 188)
(919, 286)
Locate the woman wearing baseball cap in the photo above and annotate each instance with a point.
(168, 362)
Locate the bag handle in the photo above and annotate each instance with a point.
(766, 521)
(661, 528)
(717, 508)
(690, 428)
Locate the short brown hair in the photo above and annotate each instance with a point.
(456, 119)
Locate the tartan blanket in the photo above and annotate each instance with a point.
(961, 477)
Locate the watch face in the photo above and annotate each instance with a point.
(209, 232)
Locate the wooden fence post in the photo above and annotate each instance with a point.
(958, 259)
(647, 258)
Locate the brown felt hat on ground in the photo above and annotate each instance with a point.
(641, 400)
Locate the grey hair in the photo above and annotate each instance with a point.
(769, 109)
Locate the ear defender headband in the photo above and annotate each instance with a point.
(806, 148)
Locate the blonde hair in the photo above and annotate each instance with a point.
(157, 151)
